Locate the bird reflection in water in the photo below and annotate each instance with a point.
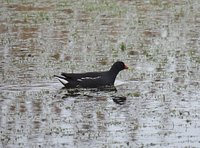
(81, 92)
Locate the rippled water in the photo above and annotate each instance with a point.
(157, 103)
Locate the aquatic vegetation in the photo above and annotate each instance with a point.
(122, 46)
(159, 41)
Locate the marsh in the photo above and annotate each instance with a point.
(157, 103)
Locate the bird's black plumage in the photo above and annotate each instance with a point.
(92, 79)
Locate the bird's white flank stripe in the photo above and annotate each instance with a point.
(90, 78)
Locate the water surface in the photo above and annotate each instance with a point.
(156, 106)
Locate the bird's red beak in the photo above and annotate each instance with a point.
(125, 67)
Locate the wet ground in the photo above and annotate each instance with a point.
(158, 104)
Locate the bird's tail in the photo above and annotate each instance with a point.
(62, 79)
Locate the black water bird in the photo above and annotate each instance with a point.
(92, 79)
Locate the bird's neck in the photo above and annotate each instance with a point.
(113, 73)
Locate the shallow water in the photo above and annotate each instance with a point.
(157, 101)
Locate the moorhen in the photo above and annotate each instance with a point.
(92, 79)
